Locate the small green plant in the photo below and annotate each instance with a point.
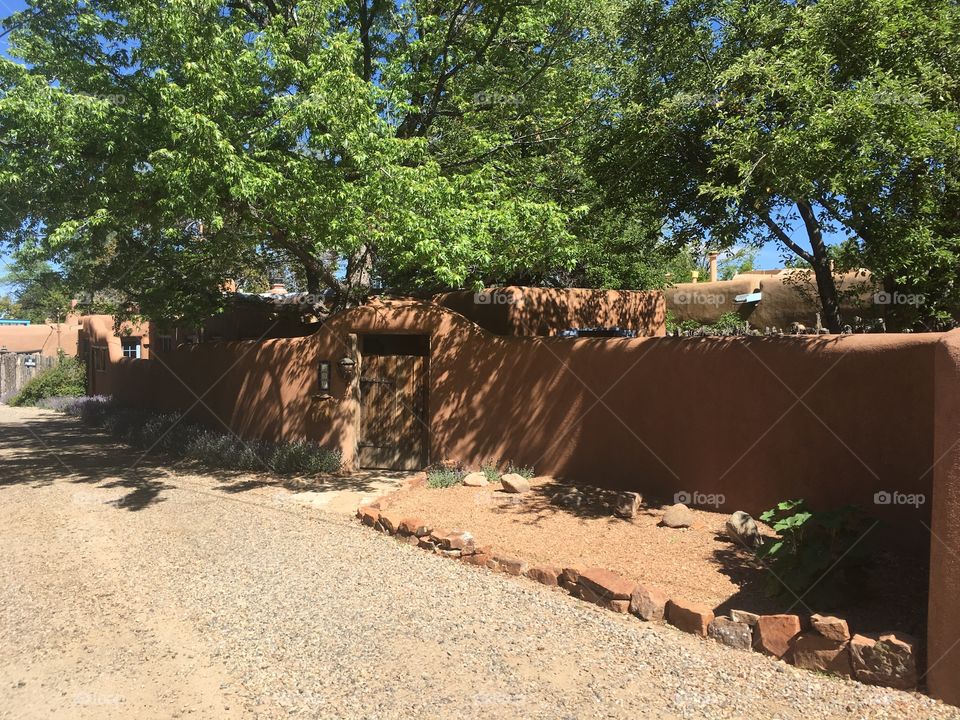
(524, 471)
(66, 378)
(818, 553)
(444, 477)
(491, 469)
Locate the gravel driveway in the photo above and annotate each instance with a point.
(153, 593)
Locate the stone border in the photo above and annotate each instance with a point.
(821, 643)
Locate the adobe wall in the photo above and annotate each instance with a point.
(519, 311)
(943, 622)
(44, 337)
(782, 303)
(660, 415)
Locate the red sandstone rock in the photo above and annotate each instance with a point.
(689, 616)
(480, 559)
(427, 543)
(368, 515)
(773, 633)
(648, 603)
(886, 659)
(453, 540)
(544, 574)
(742, 616)
(812, 651)
(390, 521)
(571, 574)
(830, 627)
(607, 584)
(414, 526)
(511, 566)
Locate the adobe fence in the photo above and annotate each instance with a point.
(16, 370)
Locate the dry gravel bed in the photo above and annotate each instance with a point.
(191, 601)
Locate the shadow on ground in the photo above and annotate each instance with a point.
(39, 448)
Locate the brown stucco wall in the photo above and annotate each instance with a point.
(28, 338)
(943, 623)
(520, 311)
(711, 415)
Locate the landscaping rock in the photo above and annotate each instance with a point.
(607, 584)
(571, 574)
(409, 539)
(427, 543)
(885, 659)
(773, 633)
(414, 526)
(453, 540)
(627, 505)
(690, 617)
(830, 627)
(480, 559)
(591, 595)
(544, 575)
(678, 516)
(511, 566)
(648, 603)
(570, 498)
(812, 651)
(513, 483)
(368, 515)
(729, 632)
(390, 522)
(742, 616)
(742, 529)
(475, 479)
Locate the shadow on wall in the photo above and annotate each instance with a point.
(756, 420)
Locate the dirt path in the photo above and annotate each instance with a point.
(147, 593)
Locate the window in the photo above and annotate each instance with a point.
(99, 359)
(165, 343)
(130, 347)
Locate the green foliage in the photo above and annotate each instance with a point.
(817, 552)
(524, 471)
(491, 469)
(66, 378)
(776, 121)
(726, 323)
(445, 477)
(160, 148)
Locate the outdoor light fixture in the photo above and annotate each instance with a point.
(348, 368)
(324, 375)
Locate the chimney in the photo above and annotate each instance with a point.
(277, 287)
(713, 266)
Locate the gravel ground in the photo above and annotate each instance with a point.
(147, 593)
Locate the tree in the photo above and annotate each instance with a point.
(162, 148)
(41, 291)
(753, 120)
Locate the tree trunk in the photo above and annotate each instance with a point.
(820, 261)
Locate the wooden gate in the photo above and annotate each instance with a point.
(393, 419)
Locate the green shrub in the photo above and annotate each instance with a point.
(818, 552)
(66, 378)
(445, 477)
(491, 470)
(526, 472)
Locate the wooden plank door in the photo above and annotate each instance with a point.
(393, 427)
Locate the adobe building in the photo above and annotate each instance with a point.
(770, 298)
(835, 419)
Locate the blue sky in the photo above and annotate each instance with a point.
(767, 258)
